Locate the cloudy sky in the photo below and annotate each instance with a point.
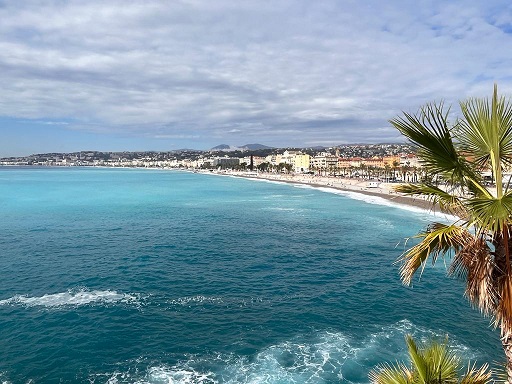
(163, 75)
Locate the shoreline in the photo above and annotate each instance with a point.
(383, 190)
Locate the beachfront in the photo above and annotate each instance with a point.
(366, 187)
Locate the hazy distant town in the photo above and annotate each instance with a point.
(253, 157)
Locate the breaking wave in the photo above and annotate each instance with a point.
(324, 357)
(73, 298)
(377, 200)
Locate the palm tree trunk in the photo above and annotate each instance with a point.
(502, 244)
(506, 342)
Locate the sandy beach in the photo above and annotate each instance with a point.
(380, 189)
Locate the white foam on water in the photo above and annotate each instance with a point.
(279, 209)
(297, 361)
(157, 375)
(262, 180)
(274, 197)
(3, 380)
(370, 199)
(199, 299)
(377, 200)
(73, 298)
(388, 345)
(324, 357)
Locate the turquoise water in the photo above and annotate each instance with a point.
(139, 276)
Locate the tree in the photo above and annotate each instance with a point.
(478, 243)
(264, 167)
(396, 164)
(405, 172)
(387, 168)
(431, 363)
(280, 167)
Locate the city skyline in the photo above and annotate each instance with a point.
(161, 76)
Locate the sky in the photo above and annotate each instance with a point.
(164, 75)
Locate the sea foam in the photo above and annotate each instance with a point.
(72, 298)
(196, 300)
(370, 199)
(377, 200)
(323, 357)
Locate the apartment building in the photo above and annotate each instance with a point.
(324, 161)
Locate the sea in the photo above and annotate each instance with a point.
(162, 276)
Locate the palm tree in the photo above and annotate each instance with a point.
(387, 167)
(288, 168)
(478, 243)
(431, 363)
(396, 164)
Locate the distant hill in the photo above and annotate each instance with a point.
(253, 147)
(319, 148)
(250, 147)
(221, 147)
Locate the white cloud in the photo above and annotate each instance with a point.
(287, 71)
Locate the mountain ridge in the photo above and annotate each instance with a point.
(250, 147)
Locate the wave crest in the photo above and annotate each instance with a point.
(72, 298)
(321, 357)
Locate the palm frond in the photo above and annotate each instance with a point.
(481, 140)
(477, 188)
(391, 374)
(474, 264)
(475, 131)
(503, 314)
(505, 115)
(448, 202)
(437, 240)
(486, 130)
(430, 363)
(428, 131)
(475, 375)
(499, 371)
(491, 214)
(443, 365)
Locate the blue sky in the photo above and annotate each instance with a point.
(162, 75)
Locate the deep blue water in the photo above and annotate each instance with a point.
(139, 276)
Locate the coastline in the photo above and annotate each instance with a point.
(382, 190)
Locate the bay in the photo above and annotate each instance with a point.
(150, 276)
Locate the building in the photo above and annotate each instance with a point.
(256, 160)
(324, 161)
(391, 160)
(225, 162)
(410, 160)
(288, 157)
(301, 163)
(272, 159)
(374, 162)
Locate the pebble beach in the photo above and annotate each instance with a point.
(366, 187)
